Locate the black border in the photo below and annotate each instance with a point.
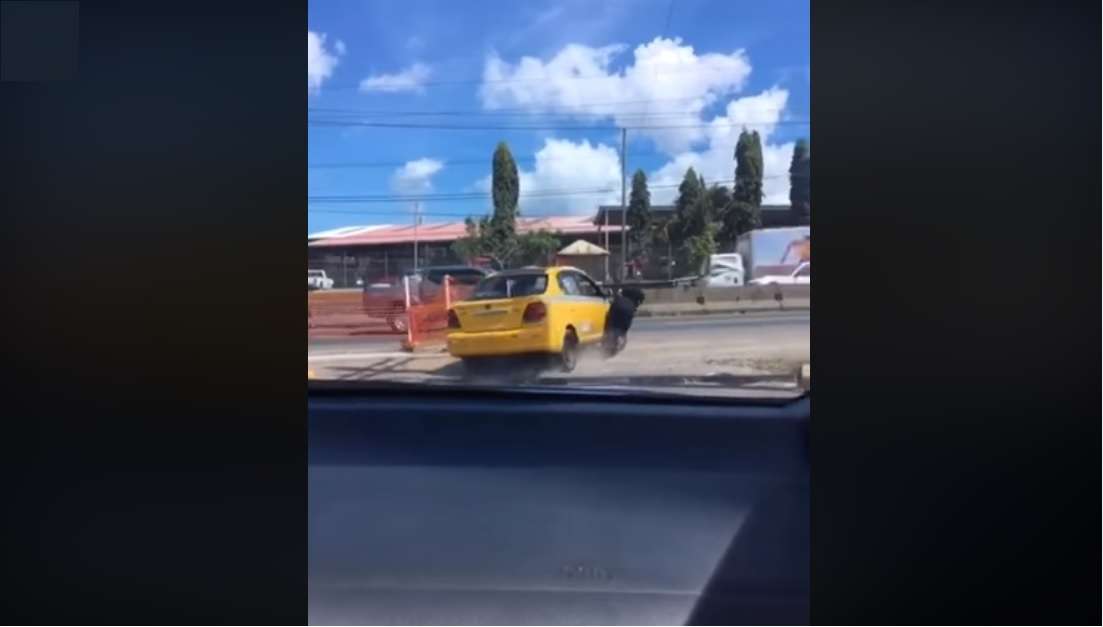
(954, 441)
(155, 448)
(151, 471)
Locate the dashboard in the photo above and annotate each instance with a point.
(512, 507)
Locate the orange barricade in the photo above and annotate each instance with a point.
(427, 316)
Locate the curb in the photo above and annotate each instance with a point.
(727, 310)
(425, 349)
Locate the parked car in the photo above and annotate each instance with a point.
(318, 280)
(551, 311)
(386, 297)
(801, 276)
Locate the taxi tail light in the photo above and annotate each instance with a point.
(535, 312)
(453, 319)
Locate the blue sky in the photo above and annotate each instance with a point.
(684, 89)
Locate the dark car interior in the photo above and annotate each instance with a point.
(436, 505)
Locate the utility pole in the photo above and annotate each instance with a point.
(417, 219)
(607, 251)
(623, 202)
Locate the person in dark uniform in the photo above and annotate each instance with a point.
(622, 310)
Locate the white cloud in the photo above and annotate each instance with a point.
(667, 81)
(411, 79)
(716, 161)
(415, 176)
(666, 84)
(565, 165)
(320, 63)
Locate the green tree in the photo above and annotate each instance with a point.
(495, 236)
(661, 237)
(719, 198)
(685, 206)
(693, 233)
(535, 248)
(743, 213)
(800, 181)
(638, 215)
(748, 169)
(505, 189)
(697, 249)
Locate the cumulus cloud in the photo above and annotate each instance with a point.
(411, 79)
(716, 161)
(415, 176)
(320, 62)
(565, 165)
(667, 81)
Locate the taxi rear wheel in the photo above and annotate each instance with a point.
(568, 358)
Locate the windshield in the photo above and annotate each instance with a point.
(592, 195)
(511, 286)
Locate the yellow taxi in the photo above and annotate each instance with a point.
(550, 311)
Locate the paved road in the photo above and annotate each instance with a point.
(755, 326)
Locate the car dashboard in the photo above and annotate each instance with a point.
(515, 507)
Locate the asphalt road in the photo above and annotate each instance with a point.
(754, 328)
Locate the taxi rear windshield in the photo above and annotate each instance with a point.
(511, 286)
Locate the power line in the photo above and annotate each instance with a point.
(483, 161)
(544, 127)
(555, 193)
(387, 212)
(494, 114)
(449, 196)
(563, 107)
(521, 81)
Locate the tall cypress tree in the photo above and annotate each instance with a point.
(800, 181)
(748, 169)
(639, 213)
(744, 212)
(504, 189)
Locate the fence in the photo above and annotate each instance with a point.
(427, 311)
(340, 312)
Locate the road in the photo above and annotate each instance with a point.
(757, 327)
(683, 345)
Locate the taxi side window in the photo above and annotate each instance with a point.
(569, 284)
(589, 288)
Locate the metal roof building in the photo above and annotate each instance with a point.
(369, 252)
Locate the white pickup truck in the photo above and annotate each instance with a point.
(317, 280)
(801, 276)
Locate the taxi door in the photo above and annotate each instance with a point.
(594, 307)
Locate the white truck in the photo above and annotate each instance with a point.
(317, 280)
(801, 276)
(762, 256)
(776, 252)
(724, 270)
